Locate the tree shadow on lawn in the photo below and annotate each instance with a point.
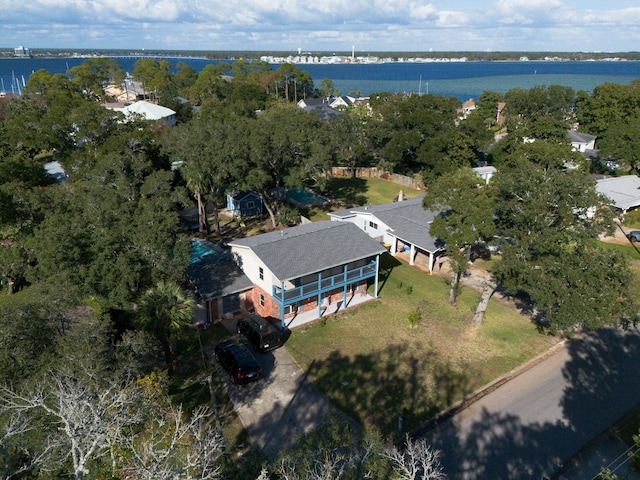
(376, 389)
(387, 264)
(537, 435)
(351, 191)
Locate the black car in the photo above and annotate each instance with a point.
(261, 334)
(634, 236)
(238, 361)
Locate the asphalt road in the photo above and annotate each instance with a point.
(530, 426)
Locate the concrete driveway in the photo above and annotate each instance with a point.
(280, 406)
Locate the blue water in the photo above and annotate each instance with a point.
(201, 248)
(306, 197)
(457, 79)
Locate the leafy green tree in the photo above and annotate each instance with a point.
(609, 104)
(210, 150)
(92, 75)
(280, 155)
(185, 77)
(13, 264)
(348, 143)
(32, 127)
(412, 133)
(209, 85)
(327, 88)
(154, 75)
(487, 108)
(295, 83)
(550, 252)
(556, 102)
(620, 141)
(466, 217)
(166, 309)
(30, 327)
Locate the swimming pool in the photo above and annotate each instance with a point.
(306, 198)
(202, 248)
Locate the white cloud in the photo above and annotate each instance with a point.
(324, 25)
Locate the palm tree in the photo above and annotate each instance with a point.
(166, 309)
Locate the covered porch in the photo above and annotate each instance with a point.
(304, 317)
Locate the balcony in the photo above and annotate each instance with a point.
(324, 284)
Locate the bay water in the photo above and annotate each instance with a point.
(463, 80)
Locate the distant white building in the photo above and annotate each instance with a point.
(485, 172)
(581, 142)
(21, 52)
(149, 111)
(623, 192)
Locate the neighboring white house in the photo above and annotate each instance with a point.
(149, 111)
(581, 142)
(467, 107)
(624, 192)
(485, 172)
(403, 226)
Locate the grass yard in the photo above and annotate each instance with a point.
(375, 363)
(360, 191)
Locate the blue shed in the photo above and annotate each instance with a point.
(244, 204)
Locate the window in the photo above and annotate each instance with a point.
(261, 300)
(261, 272)
(250, 204)
(373, 225)
(288, 309)
(231, 303)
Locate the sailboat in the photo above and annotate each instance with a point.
(420, 87)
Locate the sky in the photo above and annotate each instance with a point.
(324, 25)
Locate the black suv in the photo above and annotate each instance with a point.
(261, 334)
(238, 361)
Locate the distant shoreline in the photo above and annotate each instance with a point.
(382, 57)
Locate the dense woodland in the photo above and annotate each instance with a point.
(93, 269)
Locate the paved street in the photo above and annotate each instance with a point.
(531, 425)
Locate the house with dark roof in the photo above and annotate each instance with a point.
(220, 285)
(582, 142)
(323, 110)
(244, 204)
(403, 226)
(305, 272)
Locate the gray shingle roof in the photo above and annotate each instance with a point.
(306, 249)
(217, 275)
(407, 220)
(580, 137)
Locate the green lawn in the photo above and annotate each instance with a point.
(374, 364)
(360, 191)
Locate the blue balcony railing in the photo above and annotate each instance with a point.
(324, 284)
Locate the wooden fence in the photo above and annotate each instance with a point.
(375, 172)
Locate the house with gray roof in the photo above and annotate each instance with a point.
(220, 285)
(623, 192)
(403, 226)
(309, 270)
(582, 142)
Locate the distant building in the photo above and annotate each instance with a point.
(485, 172)
(21, 52)
(148, 111)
